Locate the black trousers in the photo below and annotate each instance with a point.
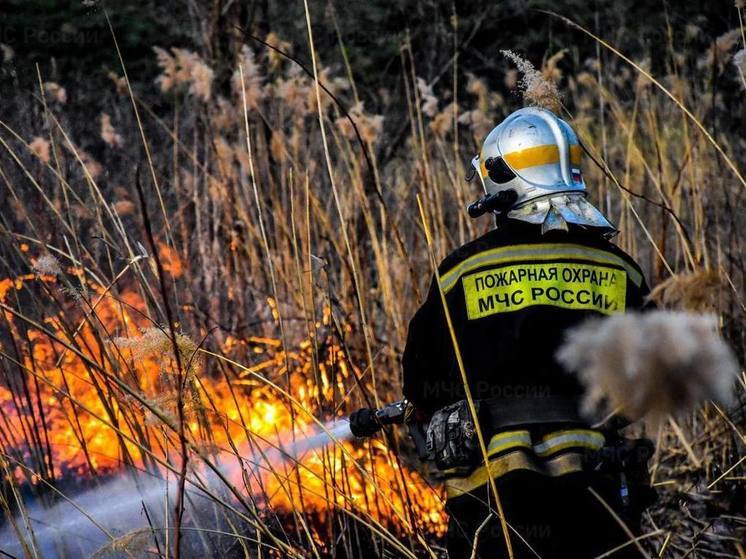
(559, 518)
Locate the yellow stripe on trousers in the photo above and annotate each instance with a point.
(530, 457)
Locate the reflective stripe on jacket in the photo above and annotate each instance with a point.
(554, 454)
(512, 295)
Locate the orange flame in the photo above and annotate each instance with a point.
(170, 260)
(77, 410)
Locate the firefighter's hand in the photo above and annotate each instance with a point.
(363, 423)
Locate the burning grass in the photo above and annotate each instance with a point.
(100, 403)
(193, 300)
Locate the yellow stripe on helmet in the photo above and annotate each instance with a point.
(540, 155)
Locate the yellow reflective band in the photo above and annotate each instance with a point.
(516, 460)
(576, 155)
(565, 285)
(509, 439)
(540, 155)
(500, 443)
(575, 438)
(534, 252)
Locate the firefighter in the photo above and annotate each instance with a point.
(512, 294)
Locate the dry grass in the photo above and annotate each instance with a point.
(296, 259)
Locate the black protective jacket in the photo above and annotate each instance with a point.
(512, 295)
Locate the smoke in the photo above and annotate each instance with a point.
(650, 364)
(127, 507)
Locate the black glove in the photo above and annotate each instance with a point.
(363, 423)
(452, 437)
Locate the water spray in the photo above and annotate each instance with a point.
(117, 506)
(89, 519)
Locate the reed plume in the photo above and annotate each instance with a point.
(650, 364)
(536, 89)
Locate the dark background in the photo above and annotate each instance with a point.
(73, 45)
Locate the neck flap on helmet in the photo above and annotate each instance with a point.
(560, 211)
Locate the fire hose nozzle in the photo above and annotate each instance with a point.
(367, 422)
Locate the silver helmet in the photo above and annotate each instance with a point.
(537, 154)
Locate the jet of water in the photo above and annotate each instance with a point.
(118, 506)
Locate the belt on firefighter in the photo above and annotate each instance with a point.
(510, 412)
(555, 454)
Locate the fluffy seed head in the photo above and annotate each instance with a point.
(157, 342)
(40, 147)
(56, 92)
(704, 291)
(443, 121)
(275, 58)
(124, 207)
(537, 90)
(369, 126)
(650, 364)
(47, 265)
(739, 60)
(119, 82)
(92, 166)
(429, 101)
(109, 133)
(184, 68)
(718, 54)
(478, 121)
(253, 80)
